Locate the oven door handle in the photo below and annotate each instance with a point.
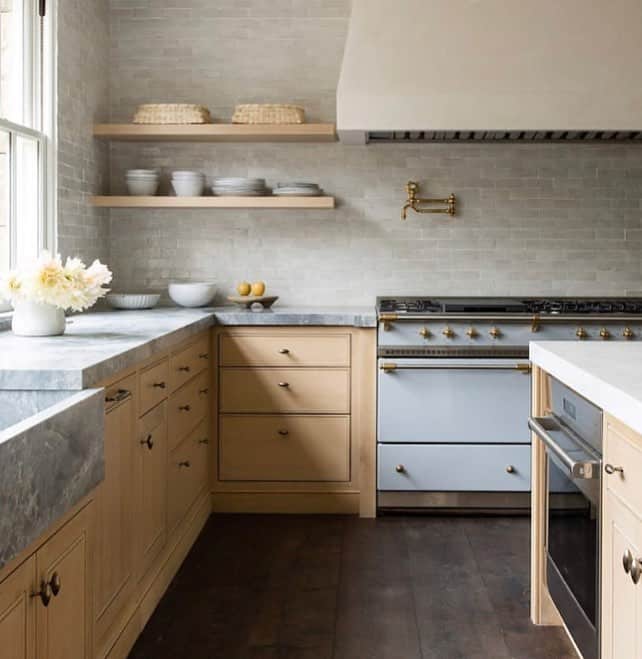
(580, 464)
(523, 367)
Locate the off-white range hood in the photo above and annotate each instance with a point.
(491, 69)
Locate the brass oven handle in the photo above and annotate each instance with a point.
(392, 366)
(610, 469)
(149, 441)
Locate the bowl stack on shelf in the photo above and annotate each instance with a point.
(188, 184)
(142, 182)
(297, 189)
(239, 187)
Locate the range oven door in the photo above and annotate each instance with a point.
(573, 531)
(452, 401)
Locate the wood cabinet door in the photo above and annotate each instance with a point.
(621, 597)
(115, 510)
(63, 627)
(17, 614)
(151, 480)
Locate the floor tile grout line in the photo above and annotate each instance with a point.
(414, 594)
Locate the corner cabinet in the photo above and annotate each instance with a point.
(295, 420)
(622, 543)
(46, 602)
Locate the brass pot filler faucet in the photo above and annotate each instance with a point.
(416, 204)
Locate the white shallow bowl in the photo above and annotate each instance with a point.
(192, 294)
(188, 175)
(132, 300)
(142, 172)
(188, 187)
(142, 187)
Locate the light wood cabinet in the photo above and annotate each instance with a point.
(622, 544)
(17, 613)
(153, 386)
(64, 626)
(151, 485)
(190, 361)
(115, 512)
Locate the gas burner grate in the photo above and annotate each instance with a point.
(584, 306)
(409, 305)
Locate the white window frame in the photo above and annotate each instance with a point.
(39, 123)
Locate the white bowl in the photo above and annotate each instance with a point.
(132, 300)
(187, 174)
(188, 187)
(141, 187)
(192, 294)
(142, 172)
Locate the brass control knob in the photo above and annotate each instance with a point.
(628, 333)
(448, 332)
(495, 332)
(472, 333)
(400, 469)
(424, 333)
(510, 469)
(581, 333)
(605, 334)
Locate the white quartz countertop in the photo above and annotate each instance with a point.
(607, 374)
(98, 345)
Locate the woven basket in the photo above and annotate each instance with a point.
(172, 113)
(268, 114)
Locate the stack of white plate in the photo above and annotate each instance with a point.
(239, 187)
(297, 189)
(188, 184)
(142, 182)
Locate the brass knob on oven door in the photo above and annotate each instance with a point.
(628, 333)
(448, 332)
(495, 332)
(581, 333)
(510, 469)
(605, 334)
(400, 469)
(424, 333)
(627, 561)
(472, 333)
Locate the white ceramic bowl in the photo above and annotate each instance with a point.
(192, 294)
(187, 174)
(142, 173)
(142, 187)
(132, 300)
(188, 187)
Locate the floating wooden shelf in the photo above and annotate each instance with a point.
(216, 133)
(113, 201)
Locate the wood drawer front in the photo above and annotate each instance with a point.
(455, 467)
(185, 364)
(187, 474)
(272, 390)
(623, 448)
(187, 407)
(153, 386)
(284, 448)
(285, 350)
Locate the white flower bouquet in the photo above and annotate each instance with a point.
(50, 287)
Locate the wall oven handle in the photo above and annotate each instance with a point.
(581, 465)
(523, 367)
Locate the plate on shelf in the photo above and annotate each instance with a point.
(246, 301)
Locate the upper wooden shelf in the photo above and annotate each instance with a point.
(125, 201)
(216, 132)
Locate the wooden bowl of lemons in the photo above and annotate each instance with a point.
(252, 294)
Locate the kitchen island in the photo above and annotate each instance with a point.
(608, 379)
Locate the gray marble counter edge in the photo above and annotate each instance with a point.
(240, 318)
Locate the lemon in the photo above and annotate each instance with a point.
(244, 288)
(258, 288)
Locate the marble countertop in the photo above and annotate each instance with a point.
(99, 345)
(607, 374)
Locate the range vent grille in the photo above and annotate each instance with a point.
(504, 136)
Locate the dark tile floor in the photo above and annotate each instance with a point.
(282, 587)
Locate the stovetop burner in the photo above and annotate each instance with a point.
(529, 306)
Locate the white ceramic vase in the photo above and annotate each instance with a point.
(35, 319)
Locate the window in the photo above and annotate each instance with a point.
(26, 130)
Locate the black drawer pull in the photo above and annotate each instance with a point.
(185, 369)
(185, 463)
(160, 385)
(149, 441)
(184, 408)
(119, 396)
